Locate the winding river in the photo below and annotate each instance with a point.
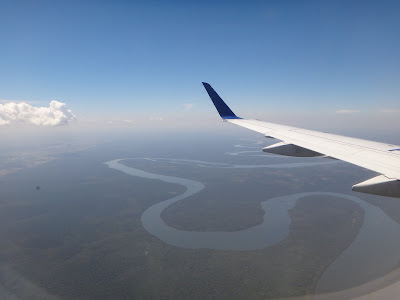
(377, 241)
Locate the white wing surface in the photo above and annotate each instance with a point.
(379, 157)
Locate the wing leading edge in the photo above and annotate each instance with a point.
(379, 157)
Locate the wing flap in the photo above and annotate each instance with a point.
(379, 185)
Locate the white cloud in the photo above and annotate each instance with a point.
(188, 106)
(156, 118)
(347, 111)
(23, 113)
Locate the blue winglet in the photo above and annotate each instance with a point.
(224, 111)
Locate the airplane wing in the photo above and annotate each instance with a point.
(379, 157)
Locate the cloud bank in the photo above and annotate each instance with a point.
(56, 114)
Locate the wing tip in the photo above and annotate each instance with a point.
(224, 111)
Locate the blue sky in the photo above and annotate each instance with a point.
(148, 58)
